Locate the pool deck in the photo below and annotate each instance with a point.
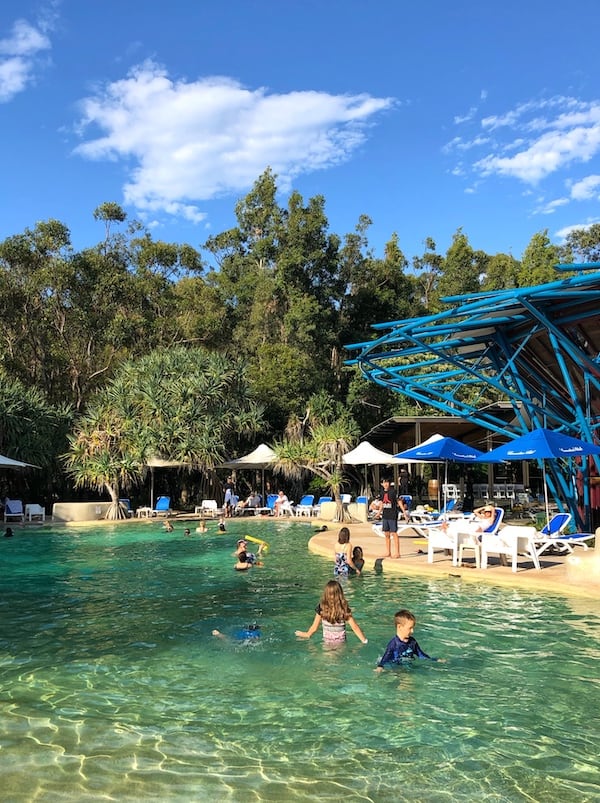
(575, 575)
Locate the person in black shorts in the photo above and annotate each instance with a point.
(389, 518)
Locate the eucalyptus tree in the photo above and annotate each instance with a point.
(428, 269)
(376, 289)
(501, 272)
(277, 272)
(72, 317)
(538, 261)
(582, 244)
(462, 268)
(183, 405)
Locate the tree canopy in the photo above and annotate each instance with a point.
(260, 313)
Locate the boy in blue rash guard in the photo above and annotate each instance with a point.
(403, 647)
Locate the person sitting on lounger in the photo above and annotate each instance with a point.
(252, 501)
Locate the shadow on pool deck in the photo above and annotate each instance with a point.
(556, 575)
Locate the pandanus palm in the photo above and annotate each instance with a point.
(181, 405)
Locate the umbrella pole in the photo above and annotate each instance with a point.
(545, 492)
(445, 488)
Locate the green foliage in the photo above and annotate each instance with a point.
(317, 443)
(31, 429)
(501, 272)
(582, 245)
(461, 269)
(280, 297)
(188, 406)
(539, 259)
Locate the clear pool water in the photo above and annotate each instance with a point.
(113, 687)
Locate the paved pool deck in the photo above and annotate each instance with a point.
(577, 575)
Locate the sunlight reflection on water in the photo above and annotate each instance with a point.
(112, 684)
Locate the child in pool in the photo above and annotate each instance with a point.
(251, 557)
(201, 528)
(244, 562)
(246, 634)
(333, 612)
(403, 647)
(343, 563)
(358, 560)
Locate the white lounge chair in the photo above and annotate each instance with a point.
(208, 508)
(512, 540)
(286, 509)
(467, 539)
(442, 538)
(33, 511)
(552, 535)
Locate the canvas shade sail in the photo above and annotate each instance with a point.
(159, 462)
(365, 454)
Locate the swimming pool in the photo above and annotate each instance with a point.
(113, 687)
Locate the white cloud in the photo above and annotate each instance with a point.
(551, 152)
(18, 58)
(193, 141)
(564, 232)
(586, 188)
(551, 206)
(542, 145)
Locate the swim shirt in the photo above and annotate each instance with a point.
(398, 651)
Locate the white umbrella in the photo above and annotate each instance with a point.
(262, 457)
(8, 462)
(365, 454)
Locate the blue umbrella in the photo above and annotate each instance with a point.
(440, 449)
(541, 444)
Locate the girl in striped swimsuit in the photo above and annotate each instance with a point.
(333, 612)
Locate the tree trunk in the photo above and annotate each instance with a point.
(115, 510)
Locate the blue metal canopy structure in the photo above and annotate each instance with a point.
(538, 347)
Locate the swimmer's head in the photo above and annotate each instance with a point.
(241, 541)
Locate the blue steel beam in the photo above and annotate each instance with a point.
(539, 347)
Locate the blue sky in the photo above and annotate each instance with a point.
(425, 116)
